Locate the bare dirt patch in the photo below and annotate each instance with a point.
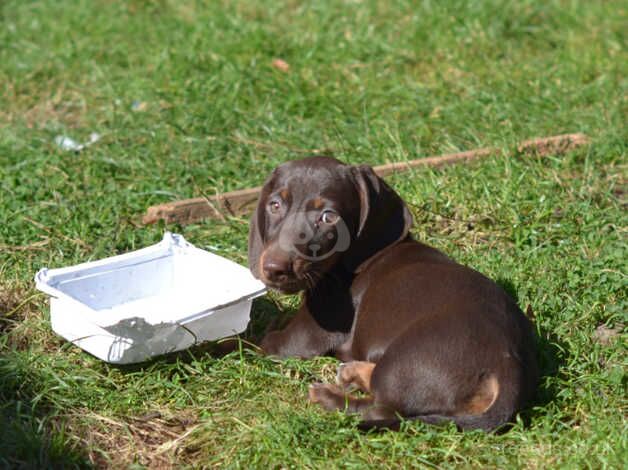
(37, 110)
(154, 439)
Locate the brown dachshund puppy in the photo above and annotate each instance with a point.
(423, 336)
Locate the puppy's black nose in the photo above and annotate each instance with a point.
(277, 270)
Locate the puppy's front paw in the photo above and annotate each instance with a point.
(271, 344)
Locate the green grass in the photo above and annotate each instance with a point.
(372, 82)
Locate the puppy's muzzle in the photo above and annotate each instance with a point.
(277, 271)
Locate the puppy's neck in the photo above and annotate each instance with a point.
(330, 301)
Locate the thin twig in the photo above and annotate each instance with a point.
(32, 247)
(53, 232)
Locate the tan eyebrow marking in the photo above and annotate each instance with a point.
(318, 203)
(284, 193)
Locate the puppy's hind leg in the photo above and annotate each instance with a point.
(350, 376)
(331, 397)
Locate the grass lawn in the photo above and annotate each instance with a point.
(187, 103)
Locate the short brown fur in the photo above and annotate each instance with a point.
(427, 338)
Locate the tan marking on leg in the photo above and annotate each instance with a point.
(357, 373)
(484, 397)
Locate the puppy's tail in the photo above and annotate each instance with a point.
(499, 413)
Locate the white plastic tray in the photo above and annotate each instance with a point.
(152, 301)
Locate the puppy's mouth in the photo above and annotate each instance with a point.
(294, 283)
(301, 278)
(286, 287)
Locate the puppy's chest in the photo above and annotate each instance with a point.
(345, 347)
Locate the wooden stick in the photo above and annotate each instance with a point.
(243, 201)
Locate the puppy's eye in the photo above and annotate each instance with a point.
(329, 217)
(274, 206)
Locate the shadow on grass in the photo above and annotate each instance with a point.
(28, 438)
(509, 287)
(26, 441)
(549, 358)
(29, 435)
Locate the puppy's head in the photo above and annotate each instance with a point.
(317, 212)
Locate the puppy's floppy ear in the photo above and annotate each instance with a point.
(258, 228)
(384, 217)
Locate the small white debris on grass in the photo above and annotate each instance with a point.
(69, 144)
